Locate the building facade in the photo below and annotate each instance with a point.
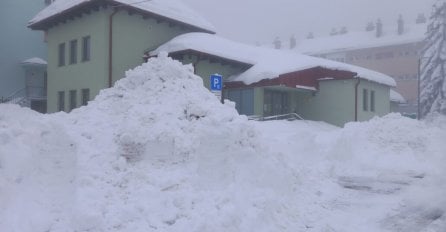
(394, 51)
(312, 88)
(93, 43)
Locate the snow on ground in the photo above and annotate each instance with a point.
(159, 153)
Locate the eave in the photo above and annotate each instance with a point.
(211, 57)
(87, 7)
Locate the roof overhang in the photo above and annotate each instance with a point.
(211, 57)
(89, 6)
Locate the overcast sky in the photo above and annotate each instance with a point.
(260, 21)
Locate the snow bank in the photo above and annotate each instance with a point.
(158, 152)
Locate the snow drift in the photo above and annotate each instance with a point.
(158, 152)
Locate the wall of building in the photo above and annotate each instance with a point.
(133, 35)
(17, 42)
(334, 102)
(398, 61)
(205, 68)
(382, 100)
(90, 74)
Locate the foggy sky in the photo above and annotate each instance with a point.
(252, 21)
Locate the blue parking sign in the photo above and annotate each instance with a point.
(216, 82)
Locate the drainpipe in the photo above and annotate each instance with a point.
(110, 47)
(356, 98)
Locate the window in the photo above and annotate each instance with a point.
(365, 100)
(73, 102)
(243, 98)
(384, 55)
(61, 101)
(86, 47)
(73, 51)
(85, 96)
(61, 54)
(372, 101)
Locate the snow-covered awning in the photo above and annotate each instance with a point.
(35, 61)
(266, 63)
(396, 97)
(171, 9)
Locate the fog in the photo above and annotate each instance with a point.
(253, 21)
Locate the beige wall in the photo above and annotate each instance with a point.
(397, 61)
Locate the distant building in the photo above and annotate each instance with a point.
(393, 50)
(19, 46)
(92, 43)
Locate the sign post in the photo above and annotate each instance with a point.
(216, 81)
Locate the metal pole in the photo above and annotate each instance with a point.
(419, 79)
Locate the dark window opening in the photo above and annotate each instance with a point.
(62, 54)
(365, 100)
(73, 51)
(85, 96)
(61, 101)
(73, 103)
(86, 48)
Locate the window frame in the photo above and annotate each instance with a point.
(73, 51)
(61, 54)
(86, 48)
(365, 100)
(73, 99)
(61, 101)
(85, 98)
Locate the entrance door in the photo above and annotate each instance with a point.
(39, 106)
(275, 103)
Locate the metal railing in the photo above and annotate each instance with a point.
(28, 93)
(289, 117)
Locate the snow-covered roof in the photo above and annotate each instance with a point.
(396, 97)
(266, 63)
(34, 61)
(360, 40)
(172, 9)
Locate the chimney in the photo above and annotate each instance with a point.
(292, 42)
(277, 43)
(400, 25)
(379, 28)
(421, 19)
(370, 26)
(310, 35)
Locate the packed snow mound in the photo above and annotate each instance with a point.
(158, 152)
(161, 101)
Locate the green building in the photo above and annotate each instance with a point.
(266, 82)
(91, 43)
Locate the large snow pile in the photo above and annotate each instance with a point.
(158, 152)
